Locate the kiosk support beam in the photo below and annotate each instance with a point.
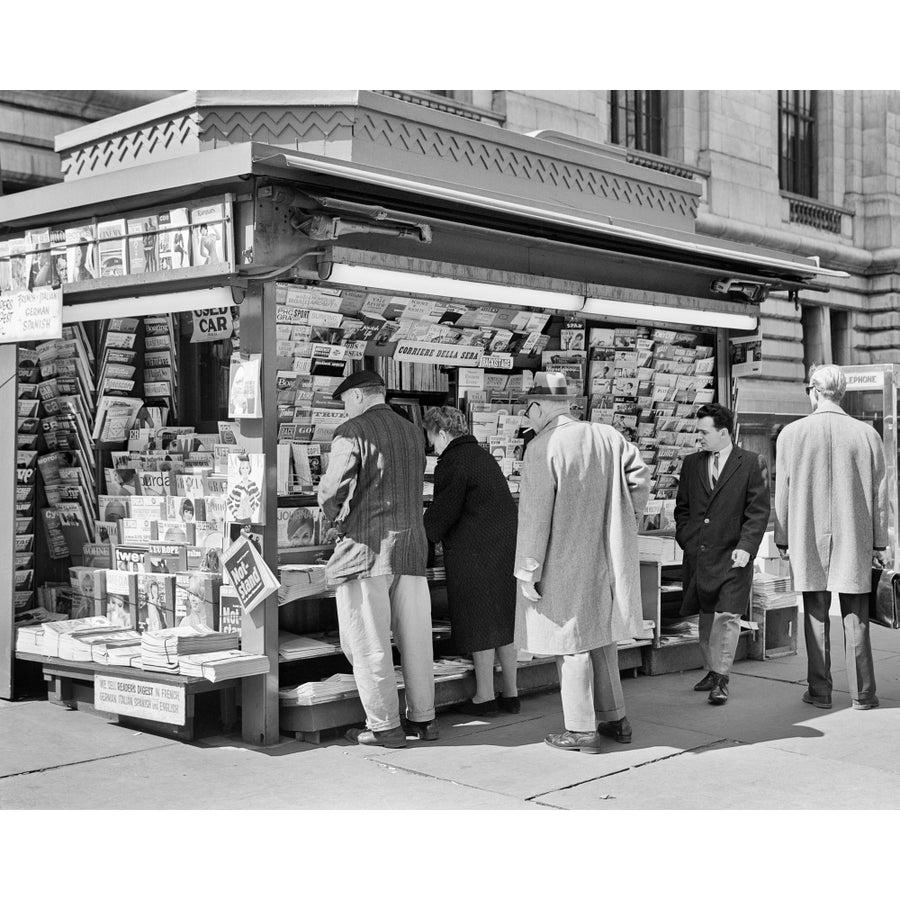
(7, 523)
(259, 694)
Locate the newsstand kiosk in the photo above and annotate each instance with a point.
(295, 236)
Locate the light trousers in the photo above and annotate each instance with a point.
(719, 633)
(369, 609)
(857, 646)
(589, 688)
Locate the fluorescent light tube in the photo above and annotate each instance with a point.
(597, 306)
(452, 288)
(149, 305)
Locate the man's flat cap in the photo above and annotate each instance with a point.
(363, 378)
(549, 383)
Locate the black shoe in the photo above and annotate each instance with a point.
(509, 704)
(706, 683)
(424, 731)
(820, 702)
(619, 730)
(719, 694)
(471, 708)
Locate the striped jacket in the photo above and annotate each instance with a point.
(372, 491)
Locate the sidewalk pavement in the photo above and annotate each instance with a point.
(764, 749)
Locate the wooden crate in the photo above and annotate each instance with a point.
(777, 633)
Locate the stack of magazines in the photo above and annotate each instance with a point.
(224, 664)
(117, 649)
(335, 687)
(53, 631)
(294, 646)
(298, 581)
(76, 646)
(29, 639)
(161, 650)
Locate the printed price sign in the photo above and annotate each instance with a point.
(141, 699)
(31, 315)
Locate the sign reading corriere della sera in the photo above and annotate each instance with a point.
(34, 315)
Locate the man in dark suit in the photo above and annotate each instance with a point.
(372, 493)
(720, 517)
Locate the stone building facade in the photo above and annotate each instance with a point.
(734, 144)
(737, 145)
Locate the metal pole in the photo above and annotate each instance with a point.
(259, 694)
(8, 454)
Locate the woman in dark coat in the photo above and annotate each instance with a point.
(474, 516)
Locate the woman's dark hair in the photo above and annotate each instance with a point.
(722, 416)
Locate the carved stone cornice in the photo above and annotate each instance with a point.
(394, 136)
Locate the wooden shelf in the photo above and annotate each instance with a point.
(85, 671)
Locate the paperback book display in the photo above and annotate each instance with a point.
(648, 383)
(28, 420)
(66, 448)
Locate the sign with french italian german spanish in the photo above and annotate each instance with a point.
(438, 354)
(31, 315)
(140, 699)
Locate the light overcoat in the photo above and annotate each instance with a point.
(830, 501)
(583, 486)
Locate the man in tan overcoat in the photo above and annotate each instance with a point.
(831, 519)
(583, 489)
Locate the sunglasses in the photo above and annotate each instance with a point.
(810, 387)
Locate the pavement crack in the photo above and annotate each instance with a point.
(80, 762)
(474, 787)
(646, 762)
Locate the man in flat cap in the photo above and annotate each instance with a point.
(372, 493)
(583, 489)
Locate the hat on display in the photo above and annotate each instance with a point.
(549, 383)
(363, 378)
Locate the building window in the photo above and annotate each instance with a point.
(458, 96)
(797, 142)
(636, 120)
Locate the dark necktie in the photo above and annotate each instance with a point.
(715, 468)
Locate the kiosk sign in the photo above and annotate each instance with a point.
(140, 699)
(865, 381)
(31, 315)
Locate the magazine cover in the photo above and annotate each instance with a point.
(246, 488)
(197, 598)
(120, 603)
(111, 244)
(231, 612)
(156, 601)
(209, 243)
(243, 392)
(88, 588)
(174, 240)
(298, 527)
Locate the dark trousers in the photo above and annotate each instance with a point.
(857, 647)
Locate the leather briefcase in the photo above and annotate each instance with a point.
(884, 605)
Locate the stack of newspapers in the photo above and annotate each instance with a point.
(162, 650)
(224, 664)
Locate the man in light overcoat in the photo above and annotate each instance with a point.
(583, 489)
(720, 518)
(831, 520)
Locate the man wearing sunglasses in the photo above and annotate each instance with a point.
(831, 517)
(583, 489)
